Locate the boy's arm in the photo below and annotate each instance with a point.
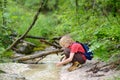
(63, 58)
(66, 60)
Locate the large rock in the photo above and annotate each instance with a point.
(25, 47)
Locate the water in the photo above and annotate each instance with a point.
(47, 71)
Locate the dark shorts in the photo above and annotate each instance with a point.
(77, 57)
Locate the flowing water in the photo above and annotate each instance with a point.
(46, 71)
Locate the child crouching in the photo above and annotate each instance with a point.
(73, 53)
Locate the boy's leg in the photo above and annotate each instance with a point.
(79, 57)
(77, 62)
(74, 66)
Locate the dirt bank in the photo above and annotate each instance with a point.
(81, 74)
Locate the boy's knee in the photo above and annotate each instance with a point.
(82, 61)
(67, 50)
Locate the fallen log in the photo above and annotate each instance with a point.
(42, 39)
(38, 55)
(51, 44)
(34, 61)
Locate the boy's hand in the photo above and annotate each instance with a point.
(59, 64)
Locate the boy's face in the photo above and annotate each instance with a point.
(66, 45)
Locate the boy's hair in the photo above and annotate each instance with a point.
(66, 39)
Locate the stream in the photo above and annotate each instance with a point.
(45, 71)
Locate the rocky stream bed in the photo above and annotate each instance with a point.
(48, 71)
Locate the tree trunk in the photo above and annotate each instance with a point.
(56, 4)
(3, 12)
(38, 55)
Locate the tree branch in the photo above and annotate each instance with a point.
(30, 27)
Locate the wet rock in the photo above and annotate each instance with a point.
(24, 48)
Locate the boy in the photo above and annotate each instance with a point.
(73, 53)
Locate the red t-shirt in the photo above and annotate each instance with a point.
(76, 47)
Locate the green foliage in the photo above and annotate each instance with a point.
(96, 22)
(98, 28)
(5, 28)
(5, 56)
(115, 78)
(1, 50)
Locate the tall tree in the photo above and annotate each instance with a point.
(42, 3)
(77, 8)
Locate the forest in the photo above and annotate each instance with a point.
(42, 22)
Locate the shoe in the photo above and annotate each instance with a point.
(74, 66)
